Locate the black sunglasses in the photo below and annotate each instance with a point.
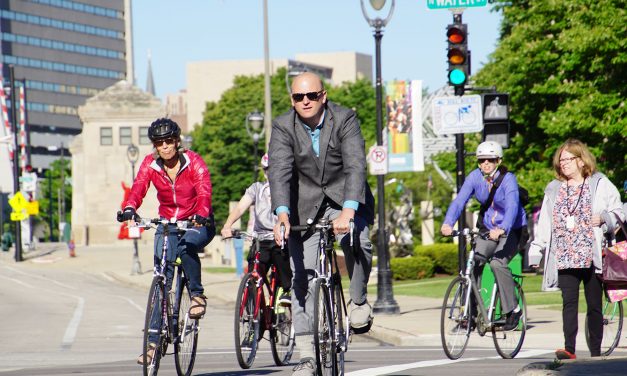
(312, 96)
(491, 160)
(167, 141)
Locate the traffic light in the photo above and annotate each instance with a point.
(458, 56)
(496, 118)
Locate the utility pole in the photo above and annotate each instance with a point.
(16, 159)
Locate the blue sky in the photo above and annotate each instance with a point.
(413, 44)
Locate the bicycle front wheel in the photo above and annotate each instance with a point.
(509, 342)
(187, 336)
(324, 341)
(612, 326)
(341, 326)
(455, 322)
(246, 322)
(154, 333)
(282, 333)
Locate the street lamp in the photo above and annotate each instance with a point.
(132, 153)
(385, 297)
(255, 128)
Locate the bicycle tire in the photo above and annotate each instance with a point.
(154, 317)
(282, 335)
(455, 325)
(509, 342)
(612, 326)
(187, 331)
(340, 328)
(246, 322)
(324, 341)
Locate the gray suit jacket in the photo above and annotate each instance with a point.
(300, 180)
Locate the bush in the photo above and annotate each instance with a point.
(444, 256)
(416, 267)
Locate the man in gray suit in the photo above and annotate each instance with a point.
(318, 169)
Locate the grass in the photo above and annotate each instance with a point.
(220, 269)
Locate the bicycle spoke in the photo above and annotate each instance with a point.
(246, 323)
(187, 341)
(509, 342)
(454, 321)
(326, 353)
(612, 326)
(154, 332)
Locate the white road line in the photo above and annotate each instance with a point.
(431, 363)
(18, 281)
(31, 275)
(70, 331)
(140, 309)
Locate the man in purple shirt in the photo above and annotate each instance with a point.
(504, 219)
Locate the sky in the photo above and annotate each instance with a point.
(413, 45)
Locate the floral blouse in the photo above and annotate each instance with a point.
(572, 230)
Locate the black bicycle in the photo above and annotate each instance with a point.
(331, 320)
(167, 319)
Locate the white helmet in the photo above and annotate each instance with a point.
(264, 161)
(489, 149)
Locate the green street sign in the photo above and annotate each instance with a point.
(446, 4)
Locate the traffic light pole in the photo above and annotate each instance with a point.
(16, 161)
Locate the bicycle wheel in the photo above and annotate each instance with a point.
(154, 333)
(187, 331)
(282, 333)
(454, 320)
(612, 326)
(509, 342)
(341, 326)
(324, 341)
(246, 323)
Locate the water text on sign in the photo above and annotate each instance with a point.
(446, 4)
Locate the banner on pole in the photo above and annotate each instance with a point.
(404, 126)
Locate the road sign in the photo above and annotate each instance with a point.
(19, 215)
(18, 202)
(452, 115)
(378, 160)
(448, 4)
(32, 208)
(495, 107)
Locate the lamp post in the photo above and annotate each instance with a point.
(132, 153)
(255, 128)
(385, 297)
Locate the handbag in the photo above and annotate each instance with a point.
(615, 262)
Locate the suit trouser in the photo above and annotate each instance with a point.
(304, 262)
(501, 253)
(569, 281)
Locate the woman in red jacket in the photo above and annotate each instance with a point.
(183, 186)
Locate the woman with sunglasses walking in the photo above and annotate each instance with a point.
(501, 215)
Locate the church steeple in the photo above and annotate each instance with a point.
(150, 83)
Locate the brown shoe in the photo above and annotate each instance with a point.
(149, 355)
(198, 307)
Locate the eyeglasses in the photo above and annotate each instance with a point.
(312, 96)
(167, 141)
(567, 160)
(491, 160)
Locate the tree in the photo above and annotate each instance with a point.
(50, 188)
(564, 66)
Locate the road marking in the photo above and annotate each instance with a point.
(431, 363)
(31, 275)
(18, 282)
(140, 309)
(70, 331)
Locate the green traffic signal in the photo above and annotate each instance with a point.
(457, 77)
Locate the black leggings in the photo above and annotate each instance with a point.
(272, 254)
(569, 281)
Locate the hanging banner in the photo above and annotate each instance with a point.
(22, 130)
(6, 144)
(404, 125)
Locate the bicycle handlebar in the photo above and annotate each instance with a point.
(238, 234)
(181, 225)
(324, 224)
(483, 234)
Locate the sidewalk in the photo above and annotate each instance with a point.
(416, 325)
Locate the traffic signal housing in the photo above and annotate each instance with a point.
(458, 56)
(496, 118)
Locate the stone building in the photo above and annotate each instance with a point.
(112, 120)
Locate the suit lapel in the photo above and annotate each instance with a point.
(325, 136)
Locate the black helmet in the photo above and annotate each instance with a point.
(163, 128)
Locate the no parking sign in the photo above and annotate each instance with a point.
(378, 160)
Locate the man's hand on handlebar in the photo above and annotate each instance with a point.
(280, 235)
(341, 223)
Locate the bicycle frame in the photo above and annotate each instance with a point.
(487, 315)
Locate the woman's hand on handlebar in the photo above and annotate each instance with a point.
(446, 230)
(281, 234)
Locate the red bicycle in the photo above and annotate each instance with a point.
(257, 311)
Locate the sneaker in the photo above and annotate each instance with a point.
(564, 354)
(285, 298)
(512, 320)
(306, 367)
(360, 315)
(464, 324)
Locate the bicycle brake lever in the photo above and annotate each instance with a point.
(282, 235)
(351, 230)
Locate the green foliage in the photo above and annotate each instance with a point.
(564, 66)
(50, 188)
(444, 256)
(416, 267)
(227, 148)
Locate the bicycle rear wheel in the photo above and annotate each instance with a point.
(246, 322)
(612, 326)
(282, 333)
(455, 322)
(324, 341)
(187, 336)
(154, 333)
(509, 342)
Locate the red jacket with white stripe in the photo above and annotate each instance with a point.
(188, 194)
